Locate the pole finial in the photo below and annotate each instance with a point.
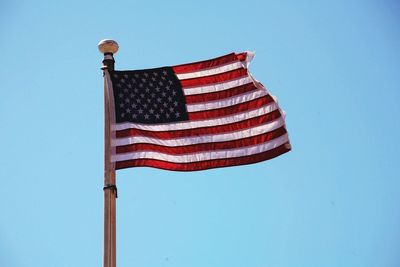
(108, 46)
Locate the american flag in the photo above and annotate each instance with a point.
(195, 116)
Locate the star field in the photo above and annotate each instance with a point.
(148, 96)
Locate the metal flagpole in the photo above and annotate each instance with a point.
(108, 48)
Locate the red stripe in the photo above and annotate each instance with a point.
(203, 165)
(216, 78)
(190, 149)
(203, 130)
(190, 99)
(211, 63)
(221, 112)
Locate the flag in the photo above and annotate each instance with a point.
(194, 116)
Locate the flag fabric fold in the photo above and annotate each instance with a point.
(195, 116)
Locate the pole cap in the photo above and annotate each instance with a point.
(108, 46)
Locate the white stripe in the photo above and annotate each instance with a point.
(217, 86)
(227, 101)
(211, 71)
(207, 155)
(249, 57)
(197, 124)
(211, 138)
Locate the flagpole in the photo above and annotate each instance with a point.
(108, 48)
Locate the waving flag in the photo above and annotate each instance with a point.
(195, 116)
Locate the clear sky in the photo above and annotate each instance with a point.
(332, 201)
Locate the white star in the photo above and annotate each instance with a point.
(155, 73)
(177, 114)
(170, 82)
(121, 95)
(171, 109)
(173, 92)
(127, 100)
(140, 111)
(121, 105)
(165, 73)
(146, 116)
(134, 116)
(128, 110)
(158, 116)
(146, 75)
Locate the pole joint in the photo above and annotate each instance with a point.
(113, 187)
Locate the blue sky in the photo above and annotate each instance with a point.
(332, 201)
